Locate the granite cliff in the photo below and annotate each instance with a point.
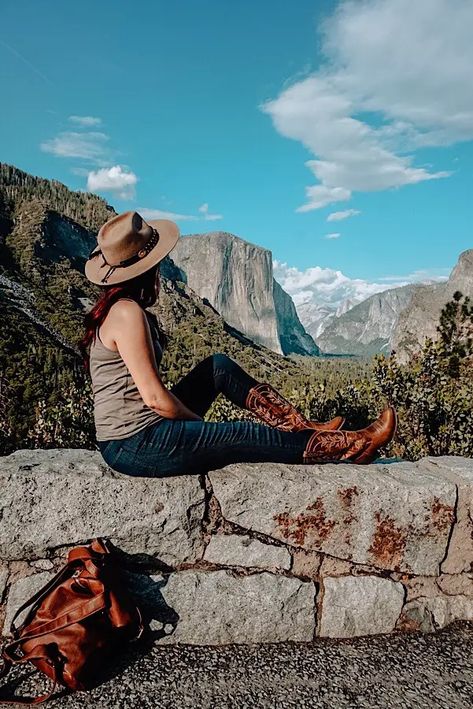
(366, 328)
(419, 319)
(236, 277)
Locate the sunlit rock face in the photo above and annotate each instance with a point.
(366, 328)
(420, 318)
(236, 277)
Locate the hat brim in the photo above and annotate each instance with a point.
(95, 268)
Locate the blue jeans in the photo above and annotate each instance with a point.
(184, 447)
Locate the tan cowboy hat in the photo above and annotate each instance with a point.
(128, 246)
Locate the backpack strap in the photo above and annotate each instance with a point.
(75, 615)
(37, 597)
(76, 554)
(39, 653)
(9, 659)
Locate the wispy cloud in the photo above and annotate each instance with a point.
(174, 216)
(116, 179)
(363, 126)
(86, 121)
(333, 235)
(92, 146)
(339, 216)
(204, 208)
(420, 276)
(147, 213)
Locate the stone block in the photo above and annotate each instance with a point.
(217, 608)
(421, 586)
(396, 517)
(239, 550)
(460, 472)
(361, 605)
(458, 585)
(20, 592)
(43, 565)
(44, 505)
(430, 614)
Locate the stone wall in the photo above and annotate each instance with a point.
(258, 552)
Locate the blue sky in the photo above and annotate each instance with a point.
(258, 118)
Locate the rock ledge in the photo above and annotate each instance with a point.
(252, 552)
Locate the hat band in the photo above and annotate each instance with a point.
(143, 251)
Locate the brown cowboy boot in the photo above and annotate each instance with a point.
(358, 447)
(267, 403)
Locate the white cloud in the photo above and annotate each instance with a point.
(321, 293)
(80, 171)
(320, 195)
(333, 235)
(204, 208)
(395, 77)
(116, 179)
(339, 216)
(90, 146)
(331, 289)
(161, 214)
(324, 286)
(86, 121)
(93, 147)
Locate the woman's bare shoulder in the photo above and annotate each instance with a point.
(125, 308)
(123, 316)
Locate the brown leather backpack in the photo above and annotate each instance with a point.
(74, 620)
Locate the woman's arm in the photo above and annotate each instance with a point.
(169, 406)
(132, 336)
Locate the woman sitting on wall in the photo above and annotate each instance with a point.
(145, 429)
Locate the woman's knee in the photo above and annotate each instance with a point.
(221, 360)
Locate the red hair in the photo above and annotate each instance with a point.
(143, 288)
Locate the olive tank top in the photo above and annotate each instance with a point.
(119, 409)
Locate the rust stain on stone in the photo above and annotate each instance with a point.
(313, 523)
(346, 495)
(442, 515)
(388, 543)
(407, 625)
